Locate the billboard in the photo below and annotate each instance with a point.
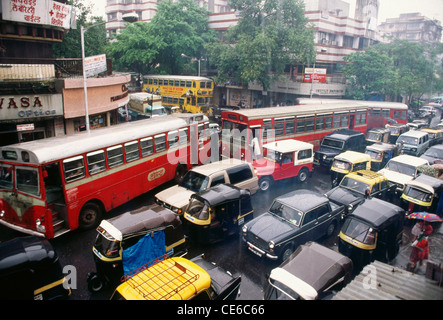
(315, 75)
(42, 12)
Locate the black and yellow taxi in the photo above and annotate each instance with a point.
(358, 185)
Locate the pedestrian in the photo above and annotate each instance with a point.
(420, 251)
(420, 228)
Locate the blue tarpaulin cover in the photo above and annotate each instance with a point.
(145, 250)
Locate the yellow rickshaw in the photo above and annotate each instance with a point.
(380, 154)
(423, 193)
(346, 162)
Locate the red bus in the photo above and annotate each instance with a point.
(380, 113)
(308, 123)
(51, 186)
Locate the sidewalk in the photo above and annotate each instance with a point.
(435, 249)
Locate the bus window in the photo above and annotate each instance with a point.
(115, 156)
(6, 177)
(173, 139)
(310, 123)
(74, 168)
(27, 180)
(147, 146)
(188, 84)
(279, 127)
(183, 136)
(160, 142)
(131, 151)
(96, 161)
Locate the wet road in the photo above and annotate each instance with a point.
(75, 248)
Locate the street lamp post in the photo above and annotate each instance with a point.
(128, 18)
(193, 59)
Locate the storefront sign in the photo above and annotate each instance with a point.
(30, 106)
(95, 65)
(46, 12)
(315, 75)
(25, 127)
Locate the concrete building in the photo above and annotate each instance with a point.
(412, 27)
(41, 96)
(337, 34)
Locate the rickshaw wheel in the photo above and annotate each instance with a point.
(96, 283)
(90, 216)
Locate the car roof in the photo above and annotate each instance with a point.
(353, 156)
(414, 133)
(302, 200)
(408, 159)
(367, 175)
(210, 168)
(288, 145)
(437, 146)
(344, 134)
(381, 146)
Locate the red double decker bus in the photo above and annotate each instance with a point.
(51, 186)
(308, 123)
(380, 113)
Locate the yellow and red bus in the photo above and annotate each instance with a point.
(308, 123)
(380, 113)
(51, 186)
(190, 93)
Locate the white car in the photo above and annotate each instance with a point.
(402, 169)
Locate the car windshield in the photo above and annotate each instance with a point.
(418, 194)
(286, 213)
(273, 155)
(343, 165)
(355, 185)
(375, 155)
(434, 153)
(408, 140)
(359, 231)
(401, 168)
(373, 136)
(394, 130)
(332, 143)
(194, 181)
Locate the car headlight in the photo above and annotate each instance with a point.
(350, 207)
(325, 157)
(245, 229)
(271, 244)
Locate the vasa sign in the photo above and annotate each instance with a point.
(20, 107)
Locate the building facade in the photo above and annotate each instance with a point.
(413, 27)
(41, 96)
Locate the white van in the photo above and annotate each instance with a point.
(413, 142)
(232, 171)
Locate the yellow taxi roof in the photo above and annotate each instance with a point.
(171, 279)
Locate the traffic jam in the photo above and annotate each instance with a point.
(384, 172)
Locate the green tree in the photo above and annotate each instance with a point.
(370, 72)
(269, 35)
(95, 38)
(156, 47)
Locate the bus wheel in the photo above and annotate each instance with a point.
(179, 173)
(302, 175)
(90, 216)
(264, 183)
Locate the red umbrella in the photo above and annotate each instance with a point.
(425, 216)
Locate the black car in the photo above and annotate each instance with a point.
(293, 219)
(336, 143)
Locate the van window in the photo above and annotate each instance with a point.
(218, 180)
(239, 173)
(304, 154)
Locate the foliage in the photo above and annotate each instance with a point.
(398, 68)
(269, 35)
(156, 47)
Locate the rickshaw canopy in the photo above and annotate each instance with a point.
(219, 194)
(378, 213)
(353, 157)
(382, 146)
(143, 219)
(313, 266)
(431, 184)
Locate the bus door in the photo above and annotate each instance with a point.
(351, 121)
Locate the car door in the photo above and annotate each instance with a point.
(308, 227)
(287, 168)
(324, 219)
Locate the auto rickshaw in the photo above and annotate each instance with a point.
(397, 130)
(375, 135)
(217, 212)
(132, 239)
(373, 231)
(380, 154)
(346, 162)
(422, 193)
(30, 270)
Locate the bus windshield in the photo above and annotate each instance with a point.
(6, 177)
(27, 180)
